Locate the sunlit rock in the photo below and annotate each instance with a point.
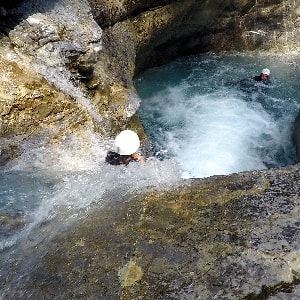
(89, 51)
(231, 237)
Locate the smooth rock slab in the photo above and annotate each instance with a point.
(225, 237)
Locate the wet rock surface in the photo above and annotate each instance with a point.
(176, 28)
(224, 237)
(56, 81)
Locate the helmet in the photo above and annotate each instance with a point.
(126, 142)
(265, 72)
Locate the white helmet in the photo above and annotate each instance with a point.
(265, 72)
(126, 142)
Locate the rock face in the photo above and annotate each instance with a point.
(31, 106)
(49, 89)
(227, 237)
(92, 65)
(177, 28)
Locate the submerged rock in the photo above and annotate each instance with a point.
(10, 223)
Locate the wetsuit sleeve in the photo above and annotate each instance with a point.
(113, 158)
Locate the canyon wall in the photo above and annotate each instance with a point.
(80, 58)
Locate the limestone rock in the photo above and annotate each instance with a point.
(225, 237)
(58, 80)
(29, 105)
(108, 13)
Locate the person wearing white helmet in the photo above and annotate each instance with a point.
(126, 144)
(263, 77)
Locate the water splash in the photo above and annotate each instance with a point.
(57, 199)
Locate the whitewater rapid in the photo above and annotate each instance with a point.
(211, 116)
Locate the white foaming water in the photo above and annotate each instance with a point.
(222, 135)
(214, 123)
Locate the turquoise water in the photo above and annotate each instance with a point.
(209, 114)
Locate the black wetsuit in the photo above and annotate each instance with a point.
(114, 158)
(265, 81)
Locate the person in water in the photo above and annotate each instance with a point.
(114, 158)
(263, 77)
(261, 83)
(126, 144)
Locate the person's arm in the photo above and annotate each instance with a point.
(137, 157)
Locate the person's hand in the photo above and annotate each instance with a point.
(138, 158)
